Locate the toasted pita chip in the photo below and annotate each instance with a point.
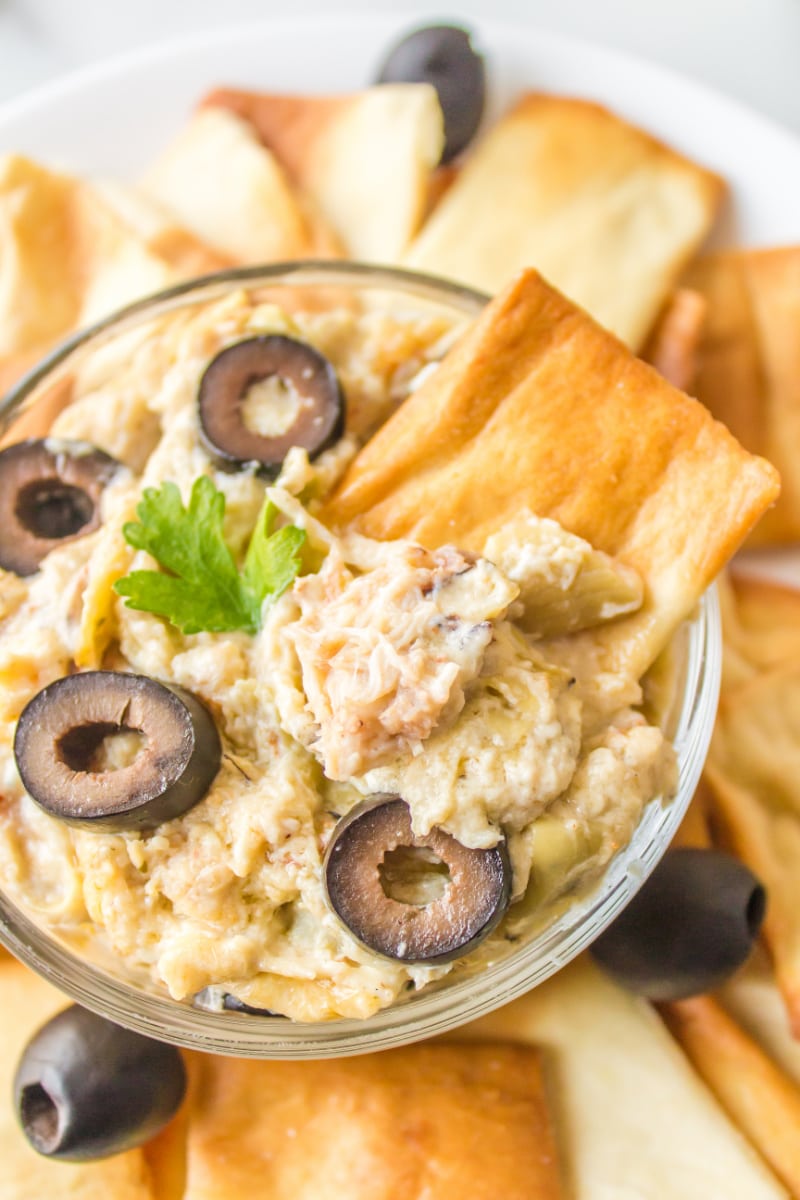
(749, 364)
(754, 999)
(364, 159)
(762, 1100)
(231, 192)
(538, 406)
(674, 342)
(606, 213)
(433, 1120)
(65, 258)
(160, 232)
(633, 1118)
(766, 628)
(754, 771)
(25, 1175)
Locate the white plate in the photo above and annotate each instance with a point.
(113, 118)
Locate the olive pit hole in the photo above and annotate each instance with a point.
(270, 406)
(50, 508)
(100, 746)
(756, 909)
(40, 1117)
(413, 875)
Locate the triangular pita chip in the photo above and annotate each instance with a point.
(633, 1118)
(160, 232)
(437, 1121)
(762, 1100)
(366, 159)
(749, 364)
(66, 258)
(607, 213)
(25, 1175)
(232, 193)
(538, 406)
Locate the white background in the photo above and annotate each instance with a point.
(749, 49)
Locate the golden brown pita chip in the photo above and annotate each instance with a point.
(233, 194)
(753, 998)
(538, 406)
(608, 214)
(753, 1090)
(749, 364)
(65, 258)
(754, 772)
(766, 626)
(633, 1119)
(160, 232)
(674, 342)
(25, 1175)
(365, 160)
(437, 1121)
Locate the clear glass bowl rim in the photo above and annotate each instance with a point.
(450, 1005)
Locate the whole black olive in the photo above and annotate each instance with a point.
(301, 402)
(172, 750)
(471, 892)
(690, 926)
(86, 1088)
(49, 493)
(442, 55)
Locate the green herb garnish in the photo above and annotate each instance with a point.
(200, 587)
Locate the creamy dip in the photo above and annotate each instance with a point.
(442, 677)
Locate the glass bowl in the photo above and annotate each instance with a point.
(102, 985)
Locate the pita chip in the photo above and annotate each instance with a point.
(66, 258)
(366, 160)
(632, 1117)
(25, 1175)
(762, 1100)
(433, 1120)
(754, 772)
(673, 344)
(609, 215)
(232, 193)
(754, 999)
(749, 364)
(538, 407)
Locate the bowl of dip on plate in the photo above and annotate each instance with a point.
(277, 789)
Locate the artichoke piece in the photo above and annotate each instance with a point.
(565, 584)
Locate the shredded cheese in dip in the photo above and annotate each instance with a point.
(389, 668)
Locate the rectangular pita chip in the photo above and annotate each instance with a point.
(438, 1121)
(25, 1175)
(762, 1100)
(609, 215)
(633, 1118)
(232, 193)
(763, 623)
(365, 160)
(539, 408)
(754, 772)
(749, 364)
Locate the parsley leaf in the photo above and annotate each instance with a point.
(201, 587)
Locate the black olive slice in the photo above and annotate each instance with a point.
(86, 1088)
(65, 746)
(305, 406)
(689, 927)
(49, 493)
(469, 906)
(442, 55)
